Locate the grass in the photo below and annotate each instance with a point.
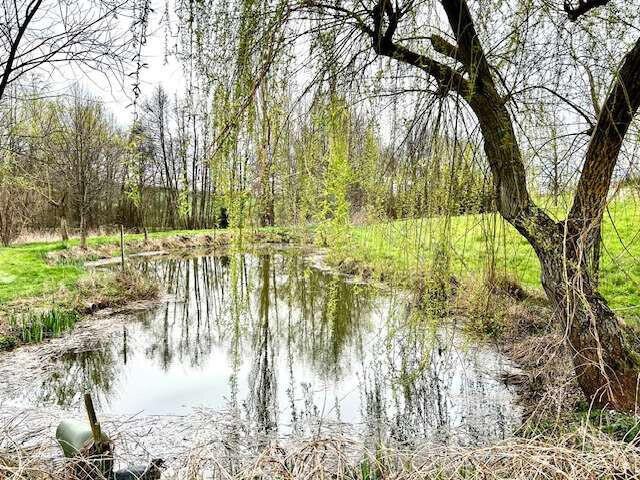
(36, 326)
(620, 426)
(405, 249)
(25, 273)
(585, 454)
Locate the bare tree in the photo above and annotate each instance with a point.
(83, 150)
(38, 35)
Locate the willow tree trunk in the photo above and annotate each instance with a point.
(606, 366)
(605, 363)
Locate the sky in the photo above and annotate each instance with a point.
(115, 91)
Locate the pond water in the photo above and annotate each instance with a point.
(284, 348)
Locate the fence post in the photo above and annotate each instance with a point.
(122, 246)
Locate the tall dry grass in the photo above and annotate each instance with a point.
(583, 454)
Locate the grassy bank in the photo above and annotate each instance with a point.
(43, 282)
(40, 269)
(34, 319)
(585, 454)
(26, 271)
(45, 288)
(473, 244)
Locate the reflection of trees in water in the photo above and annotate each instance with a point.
(77, 372)
(186, 330)
(428, 386)
(279, 317)
(331, 319)
(314, 314)
(258, 308)
(263, 396)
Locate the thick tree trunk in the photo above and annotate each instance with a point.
(606, 366)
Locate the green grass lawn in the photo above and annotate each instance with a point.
(24, 273)
(405, 248)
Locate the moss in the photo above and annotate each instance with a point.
(633, 355)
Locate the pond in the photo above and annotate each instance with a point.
(286, 349)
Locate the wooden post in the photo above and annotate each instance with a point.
(122, 246)
(93, 421)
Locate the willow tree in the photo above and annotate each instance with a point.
(485, 56)
(606, 365)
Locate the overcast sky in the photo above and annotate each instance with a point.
(117, 92)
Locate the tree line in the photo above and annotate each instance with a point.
(69, 166)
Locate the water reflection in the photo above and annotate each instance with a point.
(288, 349)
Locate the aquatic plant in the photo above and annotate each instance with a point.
(36, 326)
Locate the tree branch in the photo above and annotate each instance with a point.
(30, 12)
(616, 114)
(445, 48)
(583, 7)
(446, 77)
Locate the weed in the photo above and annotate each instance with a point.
(620, 426)
(109, 288)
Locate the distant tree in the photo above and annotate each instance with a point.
(139, 172)
(83, 148)
(14, 203)
(15, 208)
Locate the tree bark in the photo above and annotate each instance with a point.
(83, 231)
(605, 363)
